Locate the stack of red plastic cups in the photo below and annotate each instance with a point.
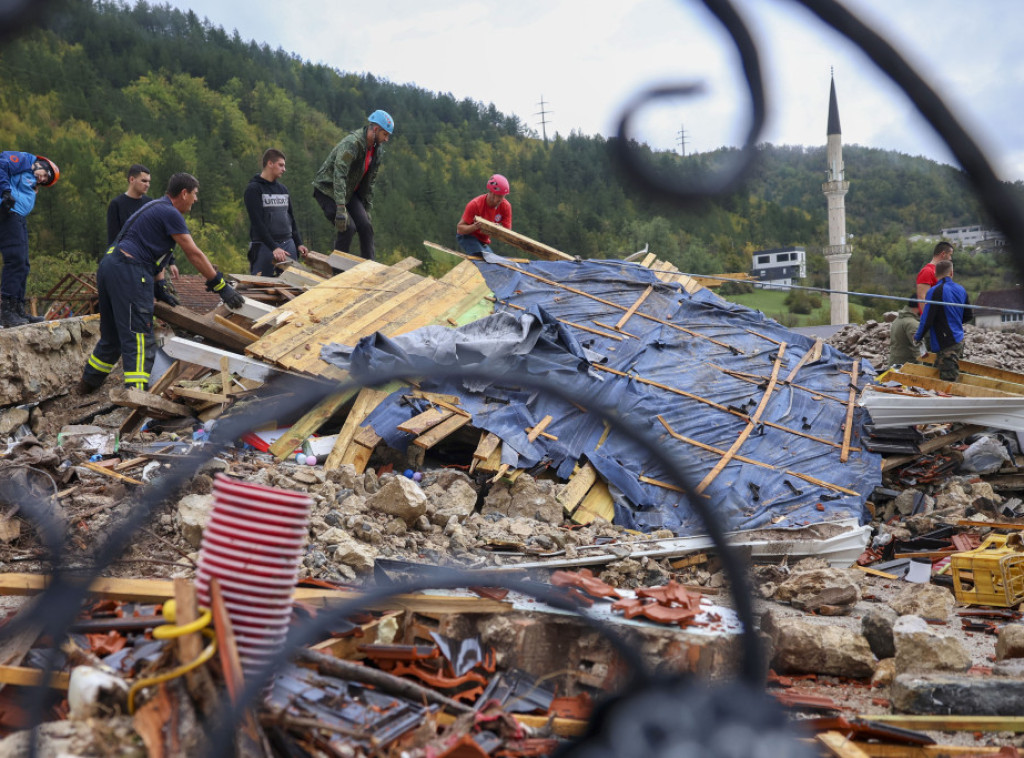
(254, 545)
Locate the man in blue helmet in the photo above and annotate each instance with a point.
(344, 184)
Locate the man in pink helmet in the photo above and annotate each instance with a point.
(494, 207)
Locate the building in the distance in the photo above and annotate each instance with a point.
(974, 236)
(1000, 319)
(780, 266)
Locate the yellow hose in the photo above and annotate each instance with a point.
(170, 631)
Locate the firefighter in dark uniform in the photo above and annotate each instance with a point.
(125, 284)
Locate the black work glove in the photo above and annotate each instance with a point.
(7, 204)
(341, 219)
(165, 292)
(227, 293)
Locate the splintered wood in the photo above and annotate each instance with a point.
(367, 298)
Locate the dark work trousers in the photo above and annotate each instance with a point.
(358, 223)
(14, 248)
(125, 290)
(261, 257)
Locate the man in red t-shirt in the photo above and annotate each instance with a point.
(493, 207)
(926, 276)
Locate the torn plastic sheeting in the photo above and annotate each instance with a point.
(709, 357)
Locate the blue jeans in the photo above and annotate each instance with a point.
(471, 245)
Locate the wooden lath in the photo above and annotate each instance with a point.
(744, 459)
(748, 429)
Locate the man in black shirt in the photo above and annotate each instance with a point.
(124, 205)
(272, 230)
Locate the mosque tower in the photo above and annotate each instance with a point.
(837, 253)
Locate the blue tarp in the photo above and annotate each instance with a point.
(693, 364)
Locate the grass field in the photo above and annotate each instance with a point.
(772, 303)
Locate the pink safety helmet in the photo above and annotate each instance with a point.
(498, 185)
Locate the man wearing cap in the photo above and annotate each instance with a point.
(344, 184)
(21, 174)
(494, 207)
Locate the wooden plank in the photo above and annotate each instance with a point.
(442, 430)
(1014, 388)
(245, 337)
(108, 473)
(950, 388)
(366, 401)
(839, 745)
(493, 461)
(301, 430)
(632, 309)
(252, 309)
(597, 503)
(203, 325)
(489, 442)
(21, 676)
(367, 436)
(951, 723)
(844, 455)
(154, 404)
(136, 417)
(159, 590)
(579, 484)
(203, 355)
(421, 422)
(521, 241)
(358, 455)
(809, 356)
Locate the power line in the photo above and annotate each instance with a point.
(681, 139)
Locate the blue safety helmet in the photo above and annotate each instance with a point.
(383, 120)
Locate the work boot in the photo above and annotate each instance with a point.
(9, 315)
(23, 312)
(86, 388)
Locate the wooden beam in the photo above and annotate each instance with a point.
(840, 745)
(537, 430)
(421, 422)
(154, 404)
(203, 325)
(366, 401)
(844, 455)
(632, 309)
(521, 241)
(576, 489)
(203, 355)
(244, 335)
(439, 432)
(21, 676)
(951, 723)
(285, 445)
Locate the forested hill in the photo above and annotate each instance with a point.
(104, 85)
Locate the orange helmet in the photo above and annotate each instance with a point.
(50, 166)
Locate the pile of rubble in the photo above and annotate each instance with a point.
(870, 341)
(863, 637)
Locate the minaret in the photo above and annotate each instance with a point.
(838, 252)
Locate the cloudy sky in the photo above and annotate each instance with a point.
(585, 61)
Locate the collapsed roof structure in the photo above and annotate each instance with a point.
(762, 420)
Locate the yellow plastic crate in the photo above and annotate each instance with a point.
(992, 573)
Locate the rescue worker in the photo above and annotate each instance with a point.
(125, 282)
(943, 321)
(273, 233)
(21, 174)
(344, 184)
(493, 207)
